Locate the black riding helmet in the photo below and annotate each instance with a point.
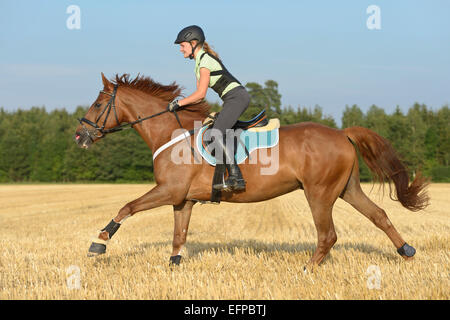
(191, 33)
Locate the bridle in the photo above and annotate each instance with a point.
(112, 105)
(101, 131)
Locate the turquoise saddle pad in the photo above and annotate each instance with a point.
(252, 141)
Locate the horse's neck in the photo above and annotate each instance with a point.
(160, 129)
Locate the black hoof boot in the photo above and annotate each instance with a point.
(96, 249)
(406, 250)
(175, 260)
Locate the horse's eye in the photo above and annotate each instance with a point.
(97, 105)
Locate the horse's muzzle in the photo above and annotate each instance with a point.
(83, 139)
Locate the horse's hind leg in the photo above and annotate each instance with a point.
(356, 197)
(326, 235)
(321, 205)
(182, 216)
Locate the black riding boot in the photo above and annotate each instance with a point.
(235, 180)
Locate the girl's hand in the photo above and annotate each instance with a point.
(173, 106)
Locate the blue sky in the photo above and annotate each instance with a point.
(319, 52)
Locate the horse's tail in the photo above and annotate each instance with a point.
(382, 160)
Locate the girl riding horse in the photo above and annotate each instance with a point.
(211, 72)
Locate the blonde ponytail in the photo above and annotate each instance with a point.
(208, 49)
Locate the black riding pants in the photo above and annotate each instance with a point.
(235, 102)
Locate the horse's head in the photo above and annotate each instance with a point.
(102, 117)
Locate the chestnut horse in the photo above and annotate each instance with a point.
(320, 160)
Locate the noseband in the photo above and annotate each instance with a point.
(101, 130)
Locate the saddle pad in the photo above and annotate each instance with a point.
(251, 139)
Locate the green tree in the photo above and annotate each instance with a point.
(39, 146)
(266, 97)
(377, 120)
(352, 116)
(415, 138)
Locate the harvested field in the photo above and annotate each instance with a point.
(234, 251)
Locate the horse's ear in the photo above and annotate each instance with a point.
(106, 83)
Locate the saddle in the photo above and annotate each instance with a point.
(260, 120)
(255, 126)
(258, 123)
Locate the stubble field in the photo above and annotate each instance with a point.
(234, 251)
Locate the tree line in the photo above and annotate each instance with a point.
(38, 146)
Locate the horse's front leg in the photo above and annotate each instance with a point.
(182, 216)
(158, 196)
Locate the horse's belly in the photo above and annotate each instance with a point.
(256, 195)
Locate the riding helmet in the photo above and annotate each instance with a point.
(190, 33)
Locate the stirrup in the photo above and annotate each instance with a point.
(235, 179)
(219, 183)
(223, 186)
(232, 183)
(235, 183)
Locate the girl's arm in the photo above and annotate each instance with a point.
(202, 87)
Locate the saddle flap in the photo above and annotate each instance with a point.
(272, 124)
(248, 140)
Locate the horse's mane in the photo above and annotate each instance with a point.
(164, 92)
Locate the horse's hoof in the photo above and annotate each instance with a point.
(309, 269)
(406, 251)
(175, 260)
(96, 249)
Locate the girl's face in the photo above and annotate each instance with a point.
(186, 49)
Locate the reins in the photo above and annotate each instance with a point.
(112, 105)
